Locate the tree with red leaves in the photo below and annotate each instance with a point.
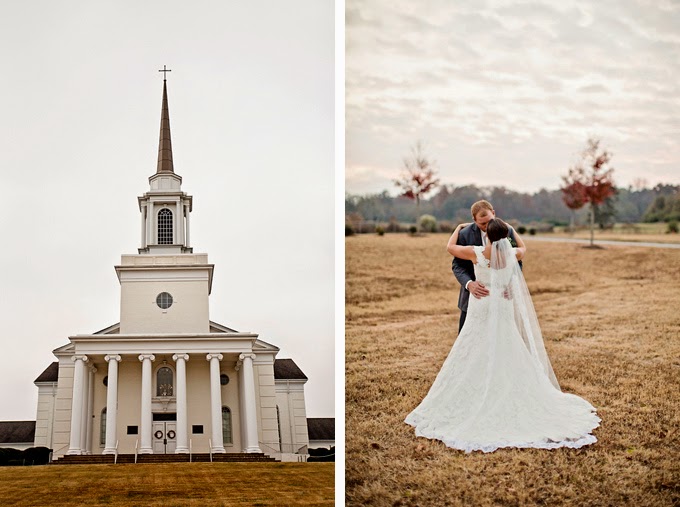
(418, 177)
(590, 181)
(573, 195)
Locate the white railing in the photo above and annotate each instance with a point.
(115, 457)
(210, 445)
(268, 448)
(302, 453)
(190, 449)
(136, 442)
(276, 448)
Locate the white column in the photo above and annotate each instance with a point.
(181, 395)
(149, 222)
(179, 223)
(187, 213)
(251, 444)
(83, 415)
(50, 419)
(90, 407)
(242, 406)
(111, 404)
(290, 403)
(216, 402)
(143, 210)
(75, 443)
(145, 429)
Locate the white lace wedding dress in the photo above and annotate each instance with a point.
(496, 388)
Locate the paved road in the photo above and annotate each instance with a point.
(601, 242)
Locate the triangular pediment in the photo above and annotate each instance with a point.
(215, 327)
(112, 329)
(64, 349)
(220, 328)
(262, 346)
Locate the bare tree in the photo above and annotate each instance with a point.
(590, 181)
(418, 177)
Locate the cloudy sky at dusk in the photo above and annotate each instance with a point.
(505, 92)
(251, 99)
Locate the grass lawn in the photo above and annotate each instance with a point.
(611, 324)
(177, 484)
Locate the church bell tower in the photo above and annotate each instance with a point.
(165, 208)
(165, 286)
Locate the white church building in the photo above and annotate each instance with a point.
(166, 379)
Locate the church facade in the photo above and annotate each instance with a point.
(167, 379)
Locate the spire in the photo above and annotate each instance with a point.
(164, 143)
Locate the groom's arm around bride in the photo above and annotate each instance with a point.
(473, 234)
(464, 271)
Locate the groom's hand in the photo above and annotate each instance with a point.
(478, 290)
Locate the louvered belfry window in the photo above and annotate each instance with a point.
(165, 227)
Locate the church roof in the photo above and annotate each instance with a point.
(165, 164)
(286, 369)
(51, 373)
(17, 432)
(321, 428)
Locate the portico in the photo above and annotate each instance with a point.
(231, 352)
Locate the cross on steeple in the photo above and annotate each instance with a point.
(164, 72)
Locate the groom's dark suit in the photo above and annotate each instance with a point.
(464, 270)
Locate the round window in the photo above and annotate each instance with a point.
(224, 379)
(164, 300)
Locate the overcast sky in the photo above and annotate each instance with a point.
(506, 92)
(251, 110)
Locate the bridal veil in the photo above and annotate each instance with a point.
(509, 294)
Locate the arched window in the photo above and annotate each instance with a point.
(164, 381)
(102, 428)
(226, 425)
(165, 227)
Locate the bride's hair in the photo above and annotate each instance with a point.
(496, 229)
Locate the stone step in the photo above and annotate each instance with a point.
(94, 459)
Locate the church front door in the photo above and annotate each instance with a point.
(164, 437)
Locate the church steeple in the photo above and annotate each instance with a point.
(165, 208)
(164, 142)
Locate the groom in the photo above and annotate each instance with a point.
(473, 234)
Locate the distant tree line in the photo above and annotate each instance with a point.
(452, 204)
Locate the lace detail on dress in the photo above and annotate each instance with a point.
(481, 260)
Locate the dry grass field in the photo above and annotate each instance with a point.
(611, 323)
(178, 484)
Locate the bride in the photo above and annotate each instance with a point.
(497, 388)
